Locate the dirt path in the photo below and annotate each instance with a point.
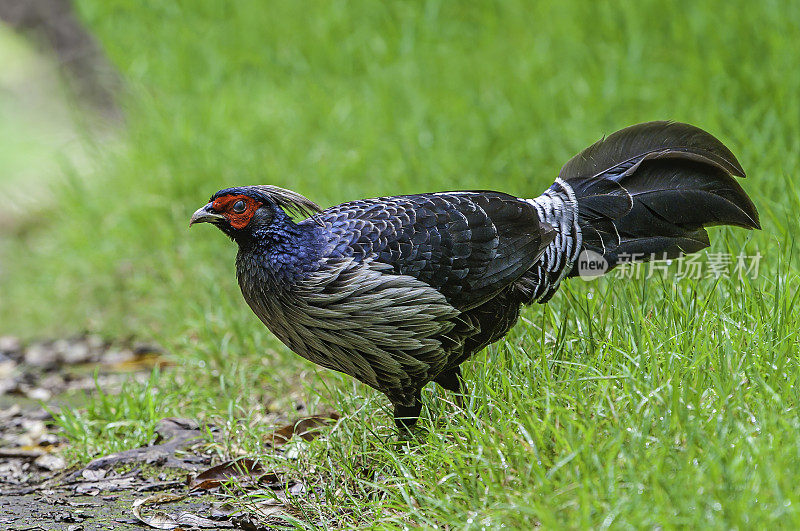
(37, 491)
(175, 482)
(51, 510)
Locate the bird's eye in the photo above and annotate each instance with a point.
(239, 206)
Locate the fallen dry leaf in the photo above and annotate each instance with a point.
(248, 471)
(270, 510)
(178, 434)
(142, 362)
(162, 520)
(307, 428)
(93, 488)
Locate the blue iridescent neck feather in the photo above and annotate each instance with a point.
(282, 250)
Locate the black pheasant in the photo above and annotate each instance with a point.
(399, 291)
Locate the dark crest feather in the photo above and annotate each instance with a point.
(291, 202)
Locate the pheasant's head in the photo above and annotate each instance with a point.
(245, 211)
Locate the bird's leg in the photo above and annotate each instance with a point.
(451, 380)
(405, 417)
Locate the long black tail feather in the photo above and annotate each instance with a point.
(650, 189)
(645, 192)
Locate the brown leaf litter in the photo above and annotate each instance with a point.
(35, 485)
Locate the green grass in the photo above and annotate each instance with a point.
(622, 403)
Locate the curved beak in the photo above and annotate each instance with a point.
(206, 215)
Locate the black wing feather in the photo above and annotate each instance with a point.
(468, 245)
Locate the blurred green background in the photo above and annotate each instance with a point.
(342, 100)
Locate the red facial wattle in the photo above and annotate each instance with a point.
(238, 220)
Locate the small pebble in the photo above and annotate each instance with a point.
(39, 393)
(75, 352)
(41, 355)
(51, 462)
(10, 345)
(94, 475)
